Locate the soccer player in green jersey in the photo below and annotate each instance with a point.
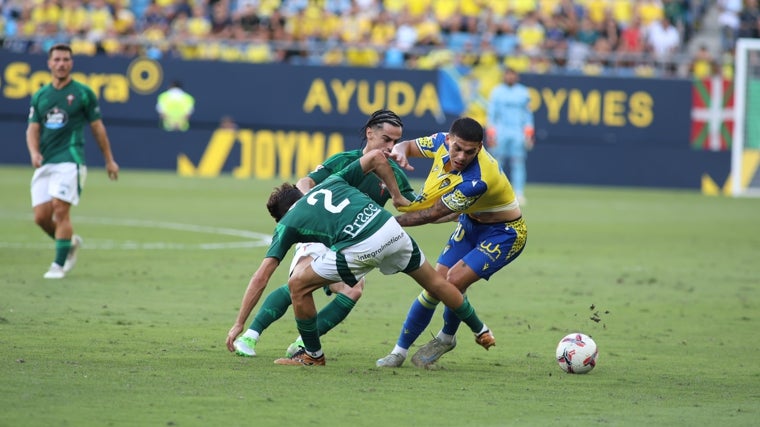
(381, 131)
(55, 140)
(361, 235)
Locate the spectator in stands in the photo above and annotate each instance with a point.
(46, 13)
(632, 45)
(663, 40)
(749, 20)
(221, 21)
(154, 16)
(302, 31)
(587, 33)
(337, 7)
(596, 11)
(293, 7)
(124, 20)
(444, 10)
(176, 8)
(703, 64)
(610, 31)
(199, 25)
(383, 30)
(503, 37)
(676, 11)
(556, 41)
(600, 60)
(622, 11)
(728, 19)
(363, 54)
(406, 33)
(73, 17)
(531, 34)
(649, 11)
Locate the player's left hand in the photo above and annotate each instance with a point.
(232, 336)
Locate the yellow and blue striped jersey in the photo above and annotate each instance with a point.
(481, 187)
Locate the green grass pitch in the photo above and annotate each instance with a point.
(134, 336)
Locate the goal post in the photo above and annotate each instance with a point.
(745, 149)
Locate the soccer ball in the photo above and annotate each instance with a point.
(577, 353)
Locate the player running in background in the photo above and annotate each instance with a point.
(361, 235)
(465, 182)
(381, 131)
(55, 140)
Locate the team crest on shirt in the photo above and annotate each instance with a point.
(56, 118)
(445, 183)
(70, 99)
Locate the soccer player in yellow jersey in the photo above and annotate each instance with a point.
(464, 182)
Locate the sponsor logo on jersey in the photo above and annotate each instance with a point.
(457, 201)
(56, 118)
(361, 220)
(425, 142)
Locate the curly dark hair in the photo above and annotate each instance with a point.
(281, 199)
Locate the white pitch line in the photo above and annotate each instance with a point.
(251, 239)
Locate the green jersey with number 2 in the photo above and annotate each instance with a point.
(334, 213)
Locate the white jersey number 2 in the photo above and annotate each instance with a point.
(329, 206)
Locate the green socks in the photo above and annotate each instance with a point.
(467, 313)
(334, 312)
(274, 306)
(309, 334)
(62, 250)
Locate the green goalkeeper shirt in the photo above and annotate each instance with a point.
(334, 213)
(62, 115)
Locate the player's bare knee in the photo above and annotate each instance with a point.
(42, 220)
(354, 293)
(459, 278)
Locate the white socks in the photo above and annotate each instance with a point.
(250, 333)
(399, 350)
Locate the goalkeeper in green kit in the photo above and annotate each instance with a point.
(361, 236)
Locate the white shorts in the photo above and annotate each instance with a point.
(310, 249)
(390, 250)
(63, 181)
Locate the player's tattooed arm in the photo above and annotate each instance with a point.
(439, 211)
(453, 216)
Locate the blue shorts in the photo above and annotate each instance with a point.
(486, 248)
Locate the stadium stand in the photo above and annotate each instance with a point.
(596, 37)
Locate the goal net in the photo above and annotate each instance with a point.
(745, 150)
